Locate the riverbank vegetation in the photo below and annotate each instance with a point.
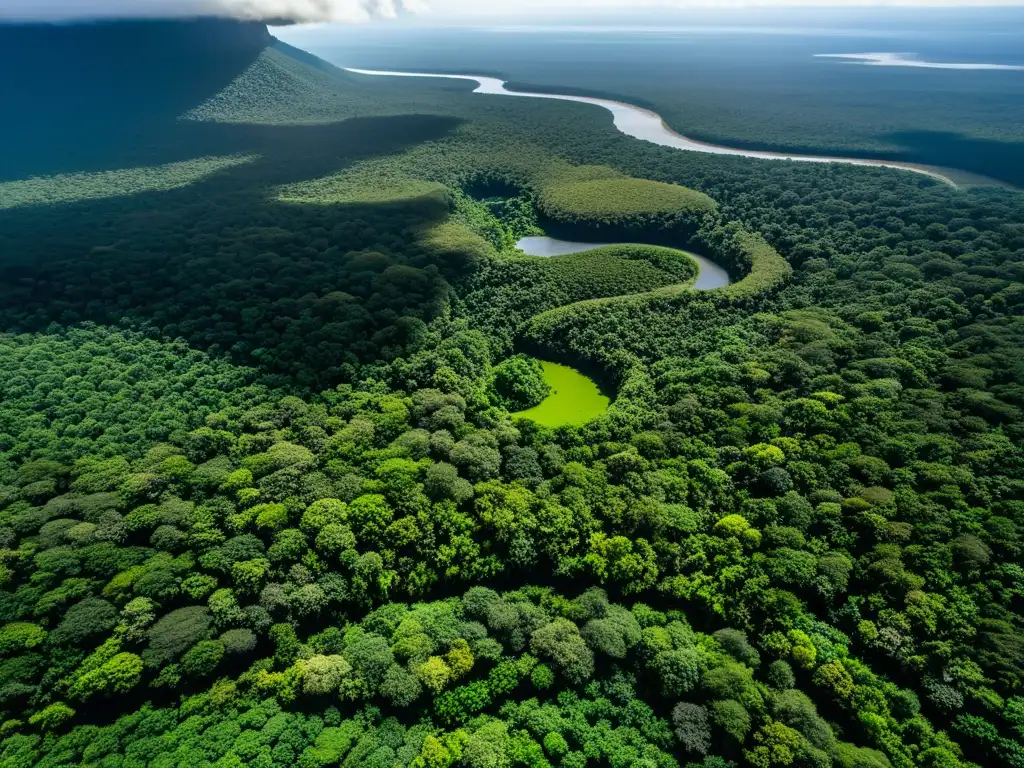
(611, 205)
(264, 499)
(520, 382)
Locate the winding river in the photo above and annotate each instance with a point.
(709, 274)
(575, 398)
(649, 126)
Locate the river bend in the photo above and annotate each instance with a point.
(709, 274)
(649, 126)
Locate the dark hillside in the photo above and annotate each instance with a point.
(147, 156)
(76, 95)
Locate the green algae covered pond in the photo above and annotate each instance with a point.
(575, 399)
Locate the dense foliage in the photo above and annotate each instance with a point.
(263, 502)
(519, 383)
(598, 202)
(758, 82)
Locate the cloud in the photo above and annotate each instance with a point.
(344, 11)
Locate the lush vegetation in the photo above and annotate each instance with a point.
(508, 292)
(520, 382)
(92, 186)
(622, 204)
(92, 390)
(264, 500)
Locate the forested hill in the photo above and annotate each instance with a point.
(81, 91)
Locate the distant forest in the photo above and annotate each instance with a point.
(264, 501)
(757, 89)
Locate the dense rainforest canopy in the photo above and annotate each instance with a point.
(755, 80)
(263, 500)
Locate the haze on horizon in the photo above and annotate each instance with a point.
(362, 11)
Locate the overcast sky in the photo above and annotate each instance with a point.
(357, 11)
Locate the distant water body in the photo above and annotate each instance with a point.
(908, 60)
(689, 31)
(649, 126)
(709, 275)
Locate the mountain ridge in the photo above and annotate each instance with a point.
(86, 94)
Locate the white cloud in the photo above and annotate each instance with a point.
(344, 11)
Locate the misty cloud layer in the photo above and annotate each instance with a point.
(344, 11)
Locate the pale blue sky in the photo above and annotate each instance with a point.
(355, 11)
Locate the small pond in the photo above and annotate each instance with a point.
(574, 399)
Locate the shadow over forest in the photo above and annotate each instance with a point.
(996, 159)
(36, 234)
(304, 291)
(86, 95)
